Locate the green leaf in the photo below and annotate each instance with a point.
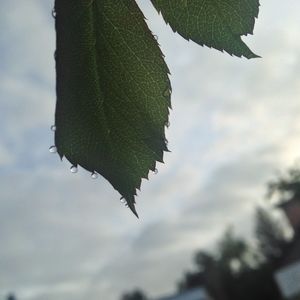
(214, 23)
(113, 92)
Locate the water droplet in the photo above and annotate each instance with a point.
(126, 205)
(168, 124)
(94, 175)
(74, 169)
(53, 13)
(122, 200)
(155, 171)
(156, 37)
(53, 149)
(53, 128)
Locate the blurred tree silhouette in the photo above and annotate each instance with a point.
(236, 270)
(233, 272)
(11, 297)
(191, 280)
(233, 252)
(286, 186)
(135, 295)
(270, 236)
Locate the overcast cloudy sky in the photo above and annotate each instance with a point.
(234, 124)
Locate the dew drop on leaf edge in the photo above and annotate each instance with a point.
(73, 169)
(53, 128)
(94, 175)
(53, 13)
(53, 149)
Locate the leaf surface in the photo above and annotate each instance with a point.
(214, 23)
(113, 92)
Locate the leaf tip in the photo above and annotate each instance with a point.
(132, 208)
(253, 55)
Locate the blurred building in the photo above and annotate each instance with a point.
(193, 294)
(288, 273)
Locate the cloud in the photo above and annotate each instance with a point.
(234, 122)
(53, 233)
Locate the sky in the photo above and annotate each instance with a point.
(234, 125)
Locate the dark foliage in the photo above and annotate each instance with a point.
(286, 186)
(135, 295)
(233, 272)
(11, 297)
(270, 236)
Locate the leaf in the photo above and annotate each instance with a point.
(214, 23)
(113, 92)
